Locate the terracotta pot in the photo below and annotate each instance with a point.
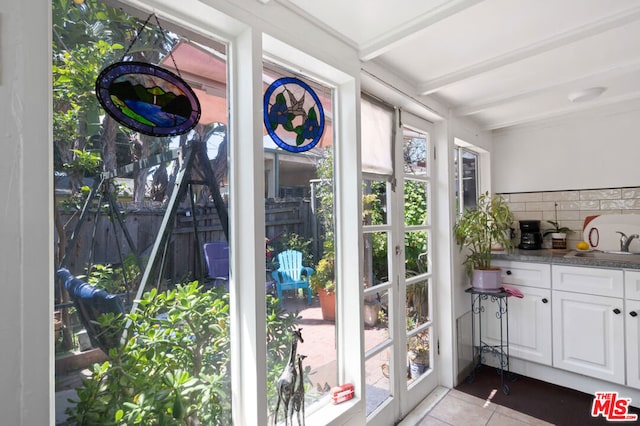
(327, 304)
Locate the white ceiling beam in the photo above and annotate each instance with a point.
(406, 30)
(531, 50)
(594, 78)
(379, 81)
(561, 112)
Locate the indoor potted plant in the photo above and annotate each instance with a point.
(479, 229)
(558, 233)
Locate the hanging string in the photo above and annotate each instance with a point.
(164, 36)
(135, 38)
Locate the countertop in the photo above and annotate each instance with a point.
(572, 257)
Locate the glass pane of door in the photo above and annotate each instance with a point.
(417, 285)
(397, 229)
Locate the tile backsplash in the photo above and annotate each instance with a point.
(572, 206)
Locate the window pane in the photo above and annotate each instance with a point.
(376, 318)
(419, 353)
(175, 355)
(376, 261)
(300, 269)
(469, 179)
(417, 304)
(374, 202)
(416, 254)
(377, 373)
(414, 150)
(456, 177)
(416, 196)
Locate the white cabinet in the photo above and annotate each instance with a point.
(632, 331)
(588, 329)
(588, 321)
(529, 325)
(632, 326)
(530, 317)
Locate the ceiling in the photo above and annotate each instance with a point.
(499, 63)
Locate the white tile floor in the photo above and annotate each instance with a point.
(452, 407)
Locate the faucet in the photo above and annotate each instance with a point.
(625, 241)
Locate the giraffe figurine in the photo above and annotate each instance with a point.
(287, 381)
(297, 399)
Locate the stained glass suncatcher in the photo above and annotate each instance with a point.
(293, 114)
(148, 99)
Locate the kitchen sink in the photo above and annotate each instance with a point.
(620, 256)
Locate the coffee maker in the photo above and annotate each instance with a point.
(530, 236)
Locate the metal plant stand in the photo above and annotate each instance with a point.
(501, 350)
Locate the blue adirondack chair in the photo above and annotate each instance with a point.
(291, 274)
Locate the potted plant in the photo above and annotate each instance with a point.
(324, 284)
(418, 353)
(558, 233)
(479, 229)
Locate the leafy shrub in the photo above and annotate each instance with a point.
(174, 365)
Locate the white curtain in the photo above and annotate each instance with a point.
(377, 137)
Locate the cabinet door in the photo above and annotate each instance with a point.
(529, 325)
(632, 322)
(588, 335)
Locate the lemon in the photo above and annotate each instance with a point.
(582, 245)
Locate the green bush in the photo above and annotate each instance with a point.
(174, 365)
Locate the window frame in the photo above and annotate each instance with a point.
(460, 148)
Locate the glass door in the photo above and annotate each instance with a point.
(398, 309)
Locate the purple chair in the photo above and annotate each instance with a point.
(216, 256)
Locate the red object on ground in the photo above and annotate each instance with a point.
(342, 393)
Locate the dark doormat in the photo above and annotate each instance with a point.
(554, 404)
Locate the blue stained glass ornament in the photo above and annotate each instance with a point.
(294, 123)
(148, 99)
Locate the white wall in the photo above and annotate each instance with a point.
(26, 271)
(595, 150)
(470, 133)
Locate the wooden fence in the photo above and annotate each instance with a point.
(101, 240)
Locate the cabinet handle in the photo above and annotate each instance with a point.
(616, 311)
(633, 313)
(545, 300)
(508, 272)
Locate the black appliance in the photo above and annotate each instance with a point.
(530, 236)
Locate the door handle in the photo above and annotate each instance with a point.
(616, 311)
(545, 300)
(633, 313)
(508, 272)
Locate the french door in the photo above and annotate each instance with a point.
(400, 340)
